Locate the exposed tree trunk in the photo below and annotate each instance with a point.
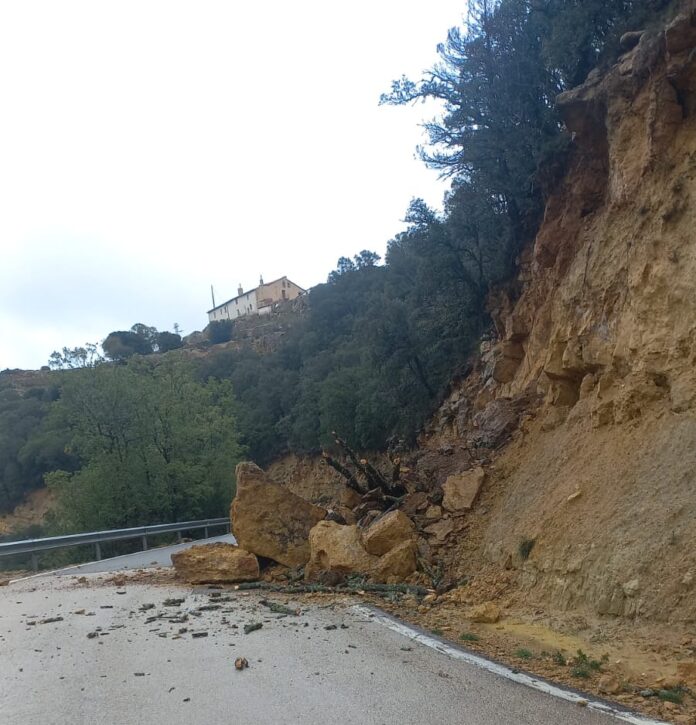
(351, 480)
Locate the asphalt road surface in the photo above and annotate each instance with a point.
(119, 655)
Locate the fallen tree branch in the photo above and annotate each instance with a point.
(279, 608)
(348, 588)
(351, 480)
(396, 468)
(376, 478)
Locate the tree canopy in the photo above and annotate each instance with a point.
(154, 444)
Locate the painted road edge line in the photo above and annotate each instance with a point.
(522, 678)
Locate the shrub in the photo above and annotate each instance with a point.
(220, 331)
(559, 659)
(525, 548)
(524, 654)
(583, 666)
(675, 695)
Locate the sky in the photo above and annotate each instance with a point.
(149, 150)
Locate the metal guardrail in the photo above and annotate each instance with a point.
(32, 546)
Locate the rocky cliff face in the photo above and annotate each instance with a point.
(594, 369)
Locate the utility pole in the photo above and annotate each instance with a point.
(212, 294)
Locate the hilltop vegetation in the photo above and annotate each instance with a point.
(136, 438)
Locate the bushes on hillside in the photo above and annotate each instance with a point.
(219, 331)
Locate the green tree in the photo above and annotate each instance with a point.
(123, 344)
(578, 35)
(76, 357)
(167, 341)
(29, 445)
(219, 331)
(155, 445)
(499, 116)
(363, 260)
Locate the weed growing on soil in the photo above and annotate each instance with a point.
(524, 654)
(583, 666)
(468, 637)
(675, 695)
(525, 548)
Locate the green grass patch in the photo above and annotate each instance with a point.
(675, 695)
(524, 654)
(559, 659)
(584, 666)
(469, 637)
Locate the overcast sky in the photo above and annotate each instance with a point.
(151, 149)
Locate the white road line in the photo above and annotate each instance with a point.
(522, 678)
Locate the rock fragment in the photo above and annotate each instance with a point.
(486, 613)
(241, 663)
(461, 490)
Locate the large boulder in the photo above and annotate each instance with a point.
(270, 520)
(337, 548)
(460, 491)
(387, 532)
(396, 564)
(215, 563)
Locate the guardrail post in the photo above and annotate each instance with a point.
(97, 550)
(205, 532)
(144, 542)
(178, 537)
(34, 561)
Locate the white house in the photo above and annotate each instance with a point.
(257, 301)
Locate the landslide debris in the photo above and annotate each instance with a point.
(216, 563)
(269, 521)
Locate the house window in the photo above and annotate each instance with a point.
(284, 295)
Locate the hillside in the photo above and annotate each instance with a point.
(599, 347)
(585, 521)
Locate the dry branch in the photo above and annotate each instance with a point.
(347, 588)
(351, 480)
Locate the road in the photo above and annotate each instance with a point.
(334, 663)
